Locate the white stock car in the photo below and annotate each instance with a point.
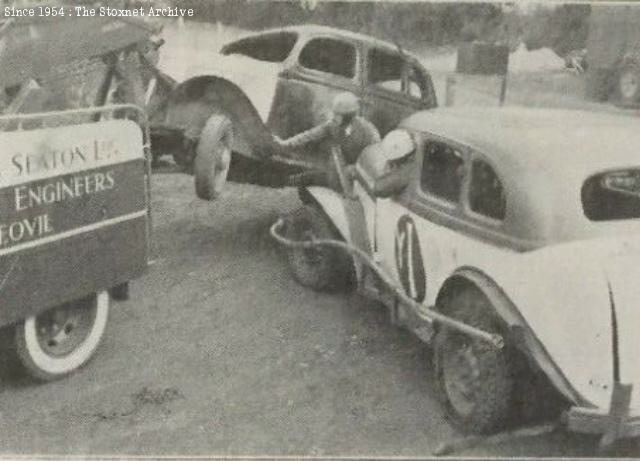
(521, 222)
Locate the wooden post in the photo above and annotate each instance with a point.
(450, 91)
(503, 89)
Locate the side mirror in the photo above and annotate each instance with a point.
(385, 169)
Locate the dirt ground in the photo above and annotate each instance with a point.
(220, 352)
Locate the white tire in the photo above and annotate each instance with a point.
(213, 157)
(57, 342)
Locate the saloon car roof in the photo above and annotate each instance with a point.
(565, 142)
(315, 29)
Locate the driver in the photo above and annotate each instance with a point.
(347, 133)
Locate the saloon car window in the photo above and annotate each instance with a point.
(385, 70)
(331, 56)
(270, 48)
(442, 171)
(612, 196)
(486, 195)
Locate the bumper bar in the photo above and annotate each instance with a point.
(616, 423)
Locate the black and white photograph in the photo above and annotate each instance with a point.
(319, 229)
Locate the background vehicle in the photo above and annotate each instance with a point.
(613, 54)
(281, 82)
(75, 214)
(518, 222)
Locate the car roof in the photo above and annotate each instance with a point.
(309, 30)
(543, 157)
(567, 142)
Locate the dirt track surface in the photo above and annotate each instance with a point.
(220, 352)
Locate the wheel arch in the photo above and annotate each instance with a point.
(516, 329)
(193, 101)
(331, 203)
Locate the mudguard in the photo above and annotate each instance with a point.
(332, 203)
(582, 310)
(520, 332)
(192, 102)
(255, 79)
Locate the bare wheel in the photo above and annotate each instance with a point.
(629, 84)
(56, 342)
(321, 268)
(213, 157)
(476, 380)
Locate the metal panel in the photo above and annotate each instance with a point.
(73, 211)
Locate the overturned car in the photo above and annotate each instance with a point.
(518, 222)
(280, 82)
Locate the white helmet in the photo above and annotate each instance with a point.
(397, 144)
(345, 103)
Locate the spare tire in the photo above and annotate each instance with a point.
(213, 157)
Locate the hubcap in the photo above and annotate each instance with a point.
(62, 330)
(312, 256)
(461, 372)
(628, 84)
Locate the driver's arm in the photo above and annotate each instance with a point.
(313, 135)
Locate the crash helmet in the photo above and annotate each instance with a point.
(397, 144)
(345, 104)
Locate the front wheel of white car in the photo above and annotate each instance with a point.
(54, 343)
(213, 157)
(475, 380)
(322, 267)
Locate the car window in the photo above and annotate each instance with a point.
(329, 55)
(385, 70)
(486, 195)
(442, 171)
(270, 48)
(612, 196)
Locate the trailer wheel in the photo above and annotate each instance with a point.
(321, 268)
(475, 380)
(628, 85)
(213, 157)
(57, 342)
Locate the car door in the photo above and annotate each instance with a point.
(394, 88)
(320, 68)
(416, 231)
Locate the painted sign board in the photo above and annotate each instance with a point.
(73, 213)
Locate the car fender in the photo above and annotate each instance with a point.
(193, 101)
(520, 333)
(332, 204)
(563, 296)
(257, 80)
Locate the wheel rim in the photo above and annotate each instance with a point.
(221, 163)
(629, 84)
(461, 372)
(61, 331)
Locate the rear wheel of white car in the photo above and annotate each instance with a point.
(54, 343)
(628, 87)
(475, 379)
(213, 157)
(323, 267)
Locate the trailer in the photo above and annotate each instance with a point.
(75, 218)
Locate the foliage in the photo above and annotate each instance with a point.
(414, 24)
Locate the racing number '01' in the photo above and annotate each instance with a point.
(409, 259)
